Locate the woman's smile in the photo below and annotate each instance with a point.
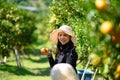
(63, 38)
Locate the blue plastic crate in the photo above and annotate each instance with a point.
(87, 76)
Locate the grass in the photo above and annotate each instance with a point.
(34, 68)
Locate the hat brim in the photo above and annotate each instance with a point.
(54, 36)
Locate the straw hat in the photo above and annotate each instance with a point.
(66, 29)
(63, 71)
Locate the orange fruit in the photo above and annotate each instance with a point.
(118, 68)
(106, 27)
(4, 47)
(117, 76)
(44, 51)
(115, 36)
(96, 61)
(105, 54)
(19, 32)
(100, 4)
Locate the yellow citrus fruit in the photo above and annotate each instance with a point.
(105, 54)
(100, 4)
(19, 32)
(115, 36)
(106, 27)
(96, 61)
(117, 76)
(118, 68)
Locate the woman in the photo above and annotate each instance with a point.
(65, 41)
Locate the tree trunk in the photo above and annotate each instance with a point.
(5, 59)
(15, 50)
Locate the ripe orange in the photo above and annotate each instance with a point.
(106, 27)
(96, 61)
(118, 68)
(105, 54)
(19, 32)
(117, 76)
(4, 47)
(115, 36)
(100, 4)
(17, 19)
(44, 51)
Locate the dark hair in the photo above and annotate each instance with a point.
(59, 45)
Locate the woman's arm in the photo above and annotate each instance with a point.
(51, 61)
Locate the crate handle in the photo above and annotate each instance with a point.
(85, 69)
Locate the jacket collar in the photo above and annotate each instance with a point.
(66, 47)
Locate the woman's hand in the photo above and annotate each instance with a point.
(45, 51)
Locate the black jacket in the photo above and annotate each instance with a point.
(66, 54)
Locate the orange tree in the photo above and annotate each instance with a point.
(16, 27)
(96, 24)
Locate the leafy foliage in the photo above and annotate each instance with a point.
(86, 19)
(16, 26)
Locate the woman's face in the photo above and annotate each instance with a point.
(63, 38)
